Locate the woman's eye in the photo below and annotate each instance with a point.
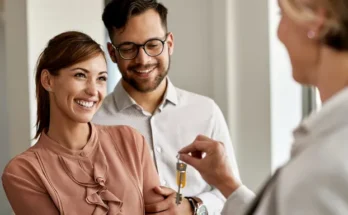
(80, 75)
(103, 78)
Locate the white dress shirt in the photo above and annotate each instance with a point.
(176, 123)
(315, 180)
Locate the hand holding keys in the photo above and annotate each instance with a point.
(180, 178)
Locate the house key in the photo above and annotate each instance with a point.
(180, 178)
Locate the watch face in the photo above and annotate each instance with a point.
(202, 210)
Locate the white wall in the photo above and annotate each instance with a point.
(4, 147)
(191, 59)
(286, 94)
(249, 88)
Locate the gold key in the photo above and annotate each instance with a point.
(180, 178)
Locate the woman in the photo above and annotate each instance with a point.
(77, 167)
(315, 180)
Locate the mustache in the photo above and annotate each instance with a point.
(142, 67)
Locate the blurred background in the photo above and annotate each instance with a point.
(227, 50)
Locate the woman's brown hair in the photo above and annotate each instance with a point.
(62, 51)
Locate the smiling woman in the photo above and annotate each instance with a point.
(77, 167)
(69, 72)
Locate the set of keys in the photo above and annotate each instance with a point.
(180, 178)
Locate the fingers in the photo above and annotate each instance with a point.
(194, 162)
(164, 205)
(197, 154)
(202, 138)
(200, 146)
(164, 191)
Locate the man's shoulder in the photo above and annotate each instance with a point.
(108, 105)
(107, 109)
(187, 97)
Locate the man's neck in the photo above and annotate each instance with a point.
(148, 101)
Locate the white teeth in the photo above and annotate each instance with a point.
(85, 103)
(145, 71)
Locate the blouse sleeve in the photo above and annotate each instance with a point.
(150, 175)
(26, 197)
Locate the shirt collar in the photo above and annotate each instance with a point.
(56, 147)
(332, 115)
(171, 94)
(123, 100)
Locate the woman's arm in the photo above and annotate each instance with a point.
(25, 197)
(150, 176)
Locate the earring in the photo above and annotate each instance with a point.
(311, 34)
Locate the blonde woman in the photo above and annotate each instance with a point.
(315, 180)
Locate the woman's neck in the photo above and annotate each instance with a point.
(332, 73)
(70, 134)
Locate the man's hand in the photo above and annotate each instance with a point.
(168, 205)
(214, 166)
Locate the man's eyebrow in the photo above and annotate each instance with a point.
(129, 42)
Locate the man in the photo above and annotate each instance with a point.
(168, 117)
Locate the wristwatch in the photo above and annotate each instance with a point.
(197, 205)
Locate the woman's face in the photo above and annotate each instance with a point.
(78, 91)
(303, 51)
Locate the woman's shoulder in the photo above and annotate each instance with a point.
(120, 132)
(125, 138)
(23, 165)
(116, 129)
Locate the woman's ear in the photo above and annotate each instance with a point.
(47, 80)
(317, 25)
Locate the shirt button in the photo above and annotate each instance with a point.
(158, 149)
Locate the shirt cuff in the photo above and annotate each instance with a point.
(213, 200)
(238, 201)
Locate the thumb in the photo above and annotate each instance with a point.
(164, 191)
(194, 162)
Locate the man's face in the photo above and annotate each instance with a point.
(144, 73)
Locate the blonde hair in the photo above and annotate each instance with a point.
(335, 31)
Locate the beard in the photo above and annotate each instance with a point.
(147, 85)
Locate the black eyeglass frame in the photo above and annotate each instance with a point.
(117, 48)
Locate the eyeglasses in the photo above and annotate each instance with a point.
(130, 50)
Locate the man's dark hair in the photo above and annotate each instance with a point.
(118, 12)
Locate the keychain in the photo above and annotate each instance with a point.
(180, 178)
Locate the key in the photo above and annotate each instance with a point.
(180, 178)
